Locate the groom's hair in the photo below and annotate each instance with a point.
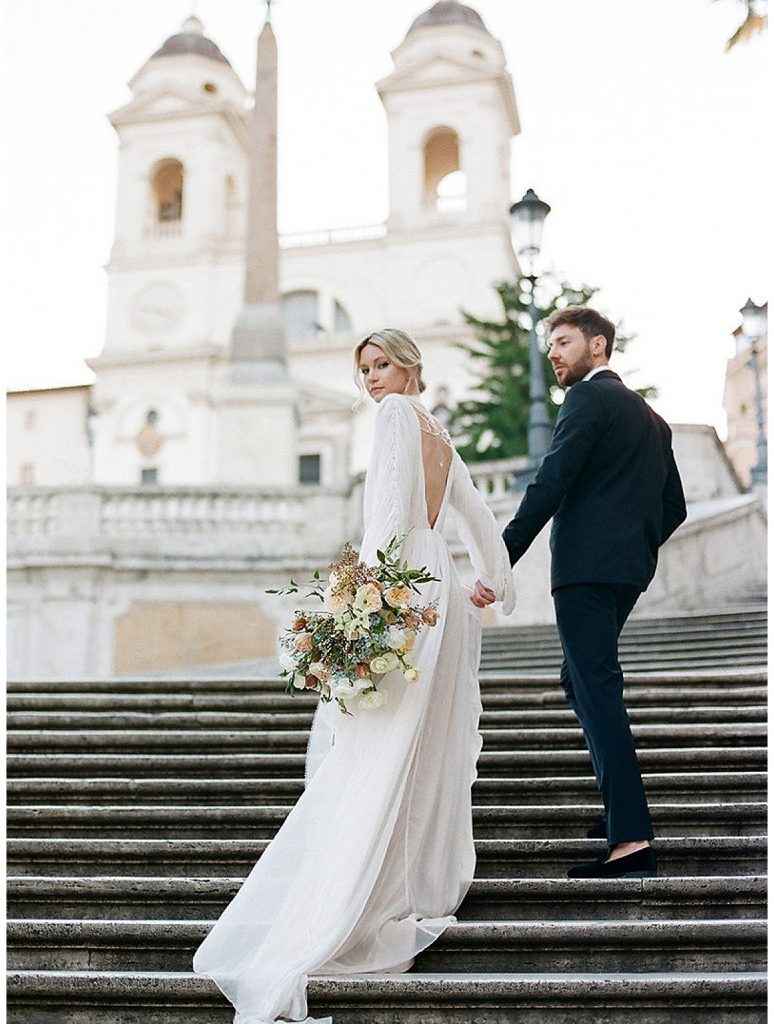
(587, 320)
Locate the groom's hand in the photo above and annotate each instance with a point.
(482, 596)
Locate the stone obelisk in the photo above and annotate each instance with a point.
(257, 400)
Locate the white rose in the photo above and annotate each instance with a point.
(372, 699)
(287, 663)
(411, 675)
(319, 670)
(395, 638)
(410, 640)
(362, 684)
(392, 661)
(299, 681)
(341, 687)
(356, 630)
(333, 602)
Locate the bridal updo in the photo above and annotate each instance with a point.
(400, 348)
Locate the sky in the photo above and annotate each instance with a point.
(646, 139)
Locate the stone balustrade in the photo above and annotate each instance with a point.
(189, 511)
(495, 479)
(333, 236)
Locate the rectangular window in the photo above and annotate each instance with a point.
(149, 476)
(309, 469)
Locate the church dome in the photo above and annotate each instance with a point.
(191, 39)
(449, 12)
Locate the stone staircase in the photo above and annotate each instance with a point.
(136, 808)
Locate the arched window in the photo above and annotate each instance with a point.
(445, 184)
(167, 186)
(299, 314)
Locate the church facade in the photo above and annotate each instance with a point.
(177, 265)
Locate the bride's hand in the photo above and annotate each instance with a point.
(482, 596)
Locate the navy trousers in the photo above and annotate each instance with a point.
(590, 617)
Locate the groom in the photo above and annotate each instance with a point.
(610, 482)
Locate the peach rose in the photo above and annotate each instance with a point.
(304, 642)
(311, 682)
(363, 670)
(398, 597)
(412, 620)
(430, 616)
(298, 624)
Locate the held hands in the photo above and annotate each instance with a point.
(482, 596)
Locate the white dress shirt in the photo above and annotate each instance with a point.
(597, 369)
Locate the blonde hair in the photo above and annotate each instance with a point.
(400, 348)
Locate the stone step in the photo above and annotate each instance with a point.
(592, 945)
(503, 694)
(261, 821)
(693, 653)
(726, 675)
(121, 997)
(513, 899)
(680, 626)
(710, 636)
(536, 762)
(648, 736)
(526, 666)
(746, 786)
(302, 718)
(496, 858)
(742, 676)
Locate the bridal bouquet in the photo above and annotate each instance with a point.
(368, 627)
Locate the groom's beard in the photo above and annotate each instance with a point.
(577, 372)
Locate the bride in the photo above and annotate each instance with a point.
(373, 861)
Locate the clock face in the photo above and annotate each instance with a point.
(157, 306)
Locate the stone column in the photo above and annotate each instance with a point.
(258, 343)
(257, 419)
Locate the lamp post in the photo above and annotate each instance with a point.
(527, 220)
(754, 321)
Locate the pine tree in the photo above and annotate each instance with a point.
(492, 423)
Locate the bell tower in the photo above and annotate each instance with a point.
(451, 113)
(172, 287)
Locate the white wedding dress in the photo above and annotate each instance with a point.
(374, 859)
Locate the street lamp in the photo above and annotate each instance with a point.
(754, 320)
(527, 219)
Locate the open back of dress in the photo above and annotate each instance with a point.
(437, 455)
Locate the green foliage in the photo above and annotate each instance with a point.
(492, 423)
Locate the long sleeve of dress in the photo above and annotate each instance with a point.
(481, 535)
(394, 480)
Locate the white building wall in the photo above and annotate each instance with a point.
(47, 440)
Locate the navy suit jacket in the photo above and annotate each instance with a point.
(610, 482)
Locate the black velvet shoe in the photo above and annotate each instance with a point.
(598, 830)
(641, 864)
